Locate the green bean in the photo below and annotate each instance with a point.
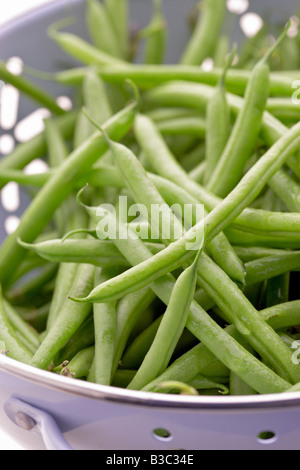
(96, 102)
(166, 114)
(227, 211)
(118, 11)
(264, 344)
(163, 162)
(57, 153)
(79, 366)
(82, 339)
(222, 51)
(246, 129)
(170, 328)
(137, 350)
(287, 189)
(202, 383)
(148, 76)
(13, 345)
(197, 360)
(171, 386)
(245, 317)
(26, 332)
(66, 272)
(196, 96)
(97, 252)
(33, 91)
(156, 43)
(122, 378)
(105, 321)
(239, 388)
(218, 124)
(101, 29)
(252, 226)
(204, 39)
(130, 309)
(267, 268)
(49, 198)
(262, 238)
(283, 108)
(189, 126)
(252, 253)
(204, 328)
(83, 51)
(68, 321)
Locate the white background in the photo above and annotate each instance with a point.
(9, 10)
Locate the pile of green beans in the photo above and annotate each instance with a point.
(186, 302)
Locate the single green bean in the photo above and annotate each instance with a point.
(155, 47)
(218, 124)
(101, 29)
(97, 252)
(105, 322)
(69, 320)
(205, 37)
(79, 367)
(118, 11)
(287, 189)
(267, 268)
(148, 76)
(252, 253)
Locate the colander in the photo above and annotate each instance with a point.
(44, 411)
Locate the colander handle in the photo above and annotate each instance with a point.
(30, 418)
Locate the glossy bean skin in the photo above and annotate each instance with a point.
(68, 322)
(105, 323)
